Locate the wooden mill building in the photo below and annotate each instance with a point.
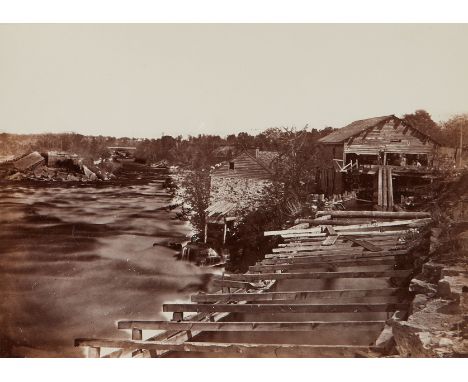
(237, 184)
(369, 145)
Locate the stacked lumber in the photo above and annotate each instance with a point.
(317, 254)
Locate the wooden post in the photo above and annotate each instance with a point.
(224, 232)
(94, 352)
(137, 334)
(384, 187)
(461, 147)
(206, 232)
(390, 189)
(379, 189)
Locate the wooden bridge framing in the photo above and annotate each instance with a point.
(254, 302)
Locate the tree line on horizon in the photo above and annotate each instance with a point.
(203, 151)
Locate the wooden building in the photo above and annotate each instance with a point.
(366, 145)
(237, 184)
(249, 164)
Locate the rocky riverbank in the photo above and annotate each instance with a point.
(437, 325)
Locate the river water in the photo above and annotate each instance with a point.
(76, 258)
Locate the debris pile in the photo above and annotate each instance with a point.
(52, 166)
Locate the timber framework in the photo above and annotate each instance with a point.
(331, 289)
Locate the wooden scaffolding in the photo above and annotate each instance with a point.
(376, 250)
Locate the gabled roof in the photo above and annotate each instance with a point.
(266, 158)
(357, 127)
(353, 128)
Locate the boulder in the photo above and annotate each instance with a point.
(431, 272)
(452, 287)
(422, 287)
(411, 340)
(419, 303)
(89, 174)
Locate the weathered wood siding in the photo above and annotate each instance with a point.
(328, 152)
(244, 167)
(392, 137)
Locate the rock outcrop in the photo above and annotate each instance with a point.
(437, 325)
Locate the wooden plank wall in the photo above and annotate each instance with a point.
(380, 138)
(244, 167)
(330, 182)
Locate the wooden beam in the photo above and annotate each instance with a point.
(233, 284)
(286, 308)
(354, 233)
(297, 251)
(238, 349)
(338, 263)
(365, 244)
(379, 187)
(372, 225)
(384, 187)
(320, 249)
(299, 295)
(390, 189)
(330, 230)
(376, 214)
(291, 231)
(315, 241)
(313, 256)
(248, 326)
(320, 275)
(329, 241)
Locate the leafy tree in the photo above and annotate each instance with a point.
(452, 128)
(196, 191)
(247, 243)
(423, 122)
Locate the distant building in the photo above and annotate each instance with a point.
(57, 159)
(122, 152)
(237, 184)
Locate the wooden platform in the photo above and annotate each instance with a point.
(239, 303)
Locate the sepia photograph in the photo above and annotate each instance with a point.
(226, 190)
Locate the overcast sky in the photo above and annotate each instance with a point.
(148, 79)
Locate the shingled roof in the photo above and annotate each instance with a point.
(267, 157)
(353, 128)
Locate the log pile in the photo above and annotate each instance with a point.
(380, 252)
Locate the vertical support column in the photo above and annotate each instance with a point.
(137, 335)
(206, 233)
(384, 187)
(94, 352)
(390, 189)
(379, 188)
(224, 231)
